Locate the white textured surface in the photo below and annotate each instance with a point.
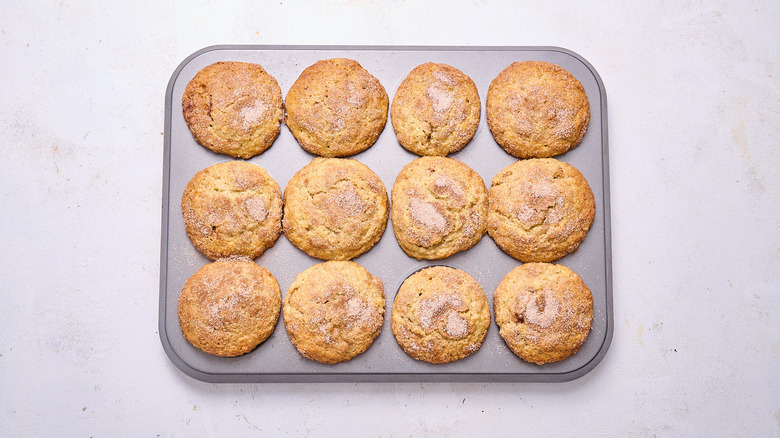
(694, 113)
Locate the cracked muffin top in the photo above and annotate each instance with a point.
(439, 207)
(544, 312)
(435, 110)
(335, 208)
(440, 315)
(539, 209)
(536, 109)
(232, 209)
(336, 108)
(333, 311)
(229, 307)
(233, 108)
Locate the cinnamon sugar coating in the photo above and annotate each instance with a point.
(536, 109)
(336, 108)
(335, 208)
(540, 209)
(233, 108)
(228, 307)
(435, 110)
(232, 209)
(440, 315)
(333, 311)
(544, 312)
(439, 207)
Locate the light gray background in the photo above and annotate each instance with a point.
(694, 97)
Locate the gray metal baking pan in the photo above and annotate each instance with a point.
(277, 360)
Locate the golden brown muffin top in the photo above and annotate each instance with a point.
(439, 207)
(539, 209)
(335, 208)
(232, 208)
(536, 109)
(440, 315)
(336, 108)
(544, 312)
(233, 108)
(228, 307)
(333, 311)
(435, 110)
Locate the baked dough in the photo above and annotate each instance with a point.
(440, 315)
(233, 108)
(435, 110)
(537, 110)
(544, 312)
(335, 208)
(228, 307)
(439, 207)
(540, 209)
(333, 311)
(336, 108)
(232, 208)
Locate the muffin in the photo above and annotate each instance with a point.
(440, 315)
(229, 307)
(439, 207)
(537, 110)
(539, 209)
(232, 209)
(544, 312)
(233, 108)
(336, 108)
(435, 110)
(335, 209)
(333, 311)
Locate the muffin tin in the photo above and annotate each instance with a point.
(277, 360)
